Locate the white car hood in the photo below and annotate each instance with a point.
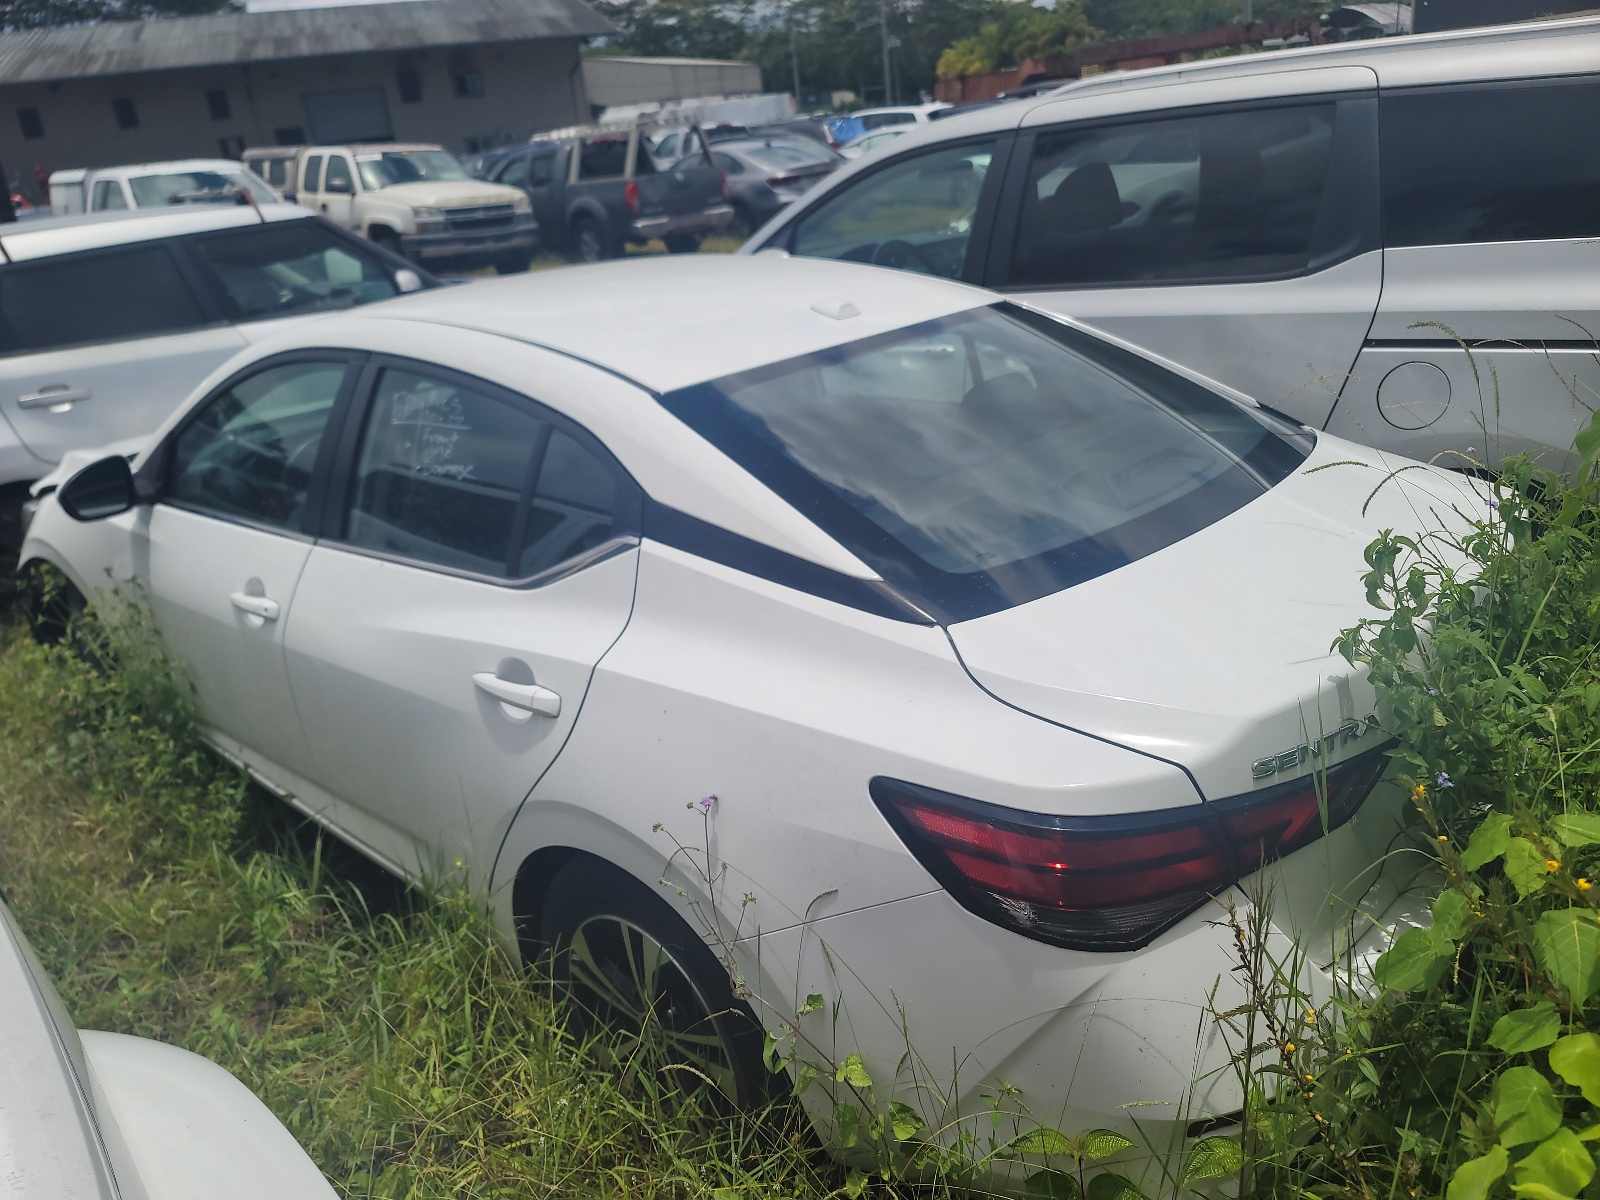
(1215, 652)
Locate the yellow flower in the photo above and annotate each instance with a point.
(1311, 1078)
(1288, 1047)
(1584, 885)
(1444, 837)
(1553, 864)
(1418, 792)
(1311, 1016)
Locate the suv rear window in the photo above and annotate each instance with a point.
(101, 297)
(1494, 163)
(291, 267)
(983, 460)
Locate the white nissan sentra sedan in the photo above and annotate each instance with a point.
(104, 1116)
(1002, 649)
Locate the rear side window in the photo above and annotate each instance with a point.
(102, 297)
(107, 196)
(879, 120)
(602, 158)
(463, 479)
(251, 450)
(312, 179)
(290, 267)
(915, 214)
(1498, 163)
(1224, 196)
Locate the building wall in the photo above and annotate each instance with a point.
(527, 86)
(618, 81)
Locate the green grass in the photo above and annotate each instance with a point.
(171, 899)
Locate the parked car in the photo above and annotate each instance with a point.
(107, 1116)
(278, 165)
(764, 174)
(991, 645)
(1313, 227)
(669, 145)
(596, 190)
(108, 321)
(418, 202)
(873, 141)
(849, 126)
(157, 185)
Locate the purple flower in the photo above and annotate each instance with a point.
(707, 803)
(1443, 780)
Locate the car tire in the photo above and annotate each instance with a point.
(589, 241)
(610, 935)
(744, 222)
(50, 603)
(388, 239)
(683, 243)
(513, 264)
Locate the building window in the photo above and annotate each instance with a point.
(231, 147)
(289, 135)
(217, 102)
(469, 84)
(32, 124)
(127, 115)
(409, 81)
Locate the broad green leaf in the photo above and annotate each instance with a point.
(854, 1072)
(905, 1121)
(812, 1004)
(770, 1054)
(1526, 866)
(1566, 942)
(1488, 841)
(1526, 1029)
(1099, 1143)
(1050, 1185)
(855, 1183)
(1047, 1142)
(1576, 1058)
(1559, 1166)
(1525, 1109)
(848, 1118)
(1577, 829)
(1591, 1134)
(1476, 1176)
(1412, 962)
(1452, 914)
(1113, 1187)
(1587, 442)
(1212, 1158)
(804, 1078)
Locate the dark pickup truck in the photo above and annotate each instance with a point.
(595, 190)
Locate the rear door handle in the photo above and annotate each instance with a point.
(529, 697)
(55, 394)
(256, 606)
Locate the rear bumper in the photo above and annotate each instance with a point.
(704, 221)
(478, 249)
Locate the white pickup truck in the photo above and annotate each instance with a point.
(418, 201)
(156, 185)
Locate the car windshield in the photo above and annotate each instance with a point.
(289, 267)
(784, 156)
(199, 187)
(986, 459)
(407, 166)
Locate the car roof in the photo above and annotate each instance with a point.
(46, 237)
(373, 147)
(667, 322)
(171, 168)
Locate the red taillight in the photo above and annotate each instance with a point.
(724, 176)
(630, 197)
(1113, 882)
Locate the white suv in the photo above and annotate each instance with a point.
(108, 322)
(1311, 227)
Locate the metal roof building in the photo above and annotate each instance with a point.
(465, 73)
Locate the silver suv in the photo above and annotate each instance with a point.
(1312, 227)
(107, 322)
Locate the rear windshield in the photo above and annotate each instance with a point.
(983, 460)
(784, 155)
(199, 187)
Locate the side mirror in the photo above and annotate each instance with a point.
(407, 280)
(102, 489)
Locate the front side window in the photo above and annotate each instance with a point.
(915, 214)
(291, 267)
(338, 178)
(101, 297)
(1225, 196)
(198, 187)
(407, 166)
(108, 196)
(983, 460)
(472, 481)
(250, 452)
(1497, 163)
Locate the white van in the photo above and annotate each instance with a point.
(1313, 227)
(157, 185)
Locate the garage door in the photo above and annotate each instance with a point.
(337, 117)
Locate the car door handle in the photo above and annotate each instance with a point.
(256, 606)
(56, 393)
(529, 697)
